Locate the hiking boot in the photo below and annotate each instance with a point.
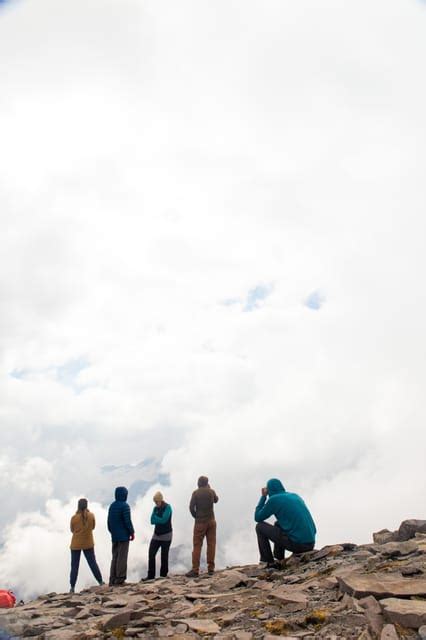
(192, 574)
(147, 579)
(210, 572)
(277, 566)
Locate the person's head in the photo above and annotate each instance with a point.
(82, 508)
(275, 486)
(82, 505)
(203, 481)
(158, 498)
(121, 494)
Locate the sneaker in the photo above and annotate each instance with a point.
(72, 590)
(147, 579)
(192, 574)
(101, 583)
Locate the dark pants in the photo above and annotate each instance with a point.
(118, 572)
(153, 548)
(266, 532)
(89, 554)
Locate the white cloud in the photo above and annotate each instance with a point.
(158, 163)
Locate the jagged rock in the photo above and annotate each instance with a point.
(407, 613)
(203, 626)
(231, 579)
(330, 550)
(389, 633)
(381, 585)
(66, 634)
(287, 596)
(373, 613)
(329, 582)
(117, 619)
(411, 570)
(422, 632)
(268, 636)
(395, 549)
(409, 528)
(383, 536)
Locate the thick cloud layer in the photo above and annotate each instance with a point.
(213, 226)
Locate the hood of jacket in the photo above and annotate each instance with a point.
(275, 486)
(121, 494)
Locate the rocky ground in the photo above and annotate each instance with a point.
(343, 591)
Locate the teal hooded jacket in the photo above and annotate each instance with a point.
(289, 509)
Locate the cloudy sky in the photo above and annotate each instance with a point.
(212, 218)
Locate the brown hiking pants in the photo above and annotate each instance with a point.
(204, 530)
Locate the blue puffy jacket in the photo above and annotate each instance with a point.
(119, 520)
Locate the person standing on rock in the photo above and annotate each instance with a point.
(161, 517)
(294, 529)
(82, 525)
(201, 508)
(121, 528)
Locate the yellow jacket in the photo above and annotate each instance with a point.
(82, 531)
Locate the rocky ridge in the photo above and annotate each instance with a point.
(344, 591)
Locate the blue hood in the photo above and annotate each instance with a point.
(275, 486)
(121, 494)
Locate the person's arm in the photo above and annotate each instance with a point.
(128, 520)
(93, 521)
(193, 505)
(71, 523)
(215, 497)
(155, 519)
(264, 509)
(109, 520)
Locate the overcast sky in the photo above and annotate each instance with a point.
(213, 224)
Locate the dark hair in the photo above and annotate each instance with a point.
(82, 508)
(203, 481)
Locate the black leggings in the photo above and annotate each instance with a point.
(153, 548)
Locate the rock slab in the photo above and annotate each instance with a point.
(407, 613)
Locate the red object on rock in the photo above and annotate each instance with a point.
(7, 599)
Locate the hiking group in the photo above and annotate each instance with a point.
(294, 530)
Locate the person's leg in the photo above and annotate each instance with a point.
(266, 532)
(199, 533)
(113, 570)
(75, 563)
(164, 569)
(211, 544)
(296, 547)
(121, 569)
(279, 544)
(91, 561)
(154, 545)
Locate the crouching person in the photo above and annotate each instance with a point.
(161, 517)
(294, 529)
